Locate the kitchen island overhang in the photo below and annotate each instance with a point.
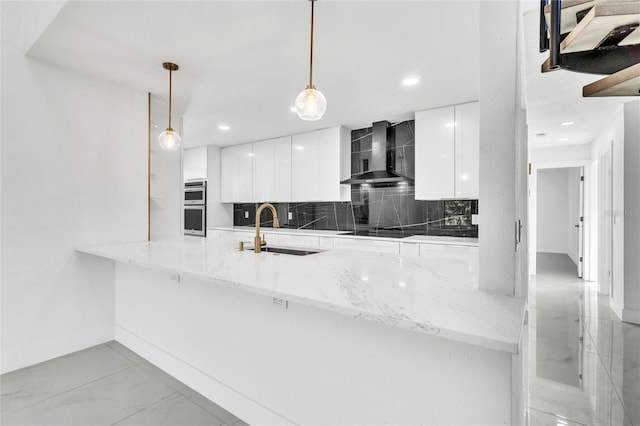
(428, 341)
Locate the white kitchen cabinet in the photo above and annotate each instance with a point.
(236, 175)
(467, 145)
(447, 156)
(320, 160)
(379, 246)
(272, 170)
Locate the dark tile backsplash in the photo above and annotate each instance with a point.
(384, 209)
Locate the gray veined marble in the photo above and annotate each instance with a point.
(104, 385)
(573, 378)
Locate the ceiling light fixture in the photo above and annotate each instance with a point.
(563, 140)
(567, 123)
(411, 81)
(311, 103)
(169, 140)
(224, 127)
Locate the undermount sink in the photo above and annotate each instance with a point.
(294, 252)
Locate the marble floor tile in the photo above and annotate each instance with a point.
(149, 367)
(175, 410)
(558, 364)
(211, 407)
(101, 402)
(625, 375)
(539, 418)
(614, 338)
(555, 328)
(28, 386)
(582, 358)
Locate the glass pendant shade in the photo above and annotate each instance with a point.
(311, 104)
(169, 140)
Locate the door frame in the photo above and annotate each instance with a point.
(590, 207)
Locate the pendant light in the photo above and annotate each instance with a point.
(311, 104)
(169, 140)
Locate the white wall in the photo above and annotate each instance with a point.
(611, 139)
(218, 214)
(552, 211)
(497, 172)
(167, 188)
(194, 163)
(561, 155)
(631, 309)
(69, 177)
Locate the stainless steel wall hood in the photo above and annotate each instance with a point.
(383, 171)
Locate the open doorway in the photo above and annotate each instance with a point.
(560, 213)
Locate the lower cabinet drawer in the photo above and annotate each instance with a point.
(367, 245)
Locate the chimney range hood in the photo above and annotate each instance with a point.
(382, 165)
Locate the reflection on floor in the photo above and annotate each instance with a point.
(584, 362)
(104, 385)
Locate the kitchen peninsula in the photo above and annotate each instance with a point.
(336, 337)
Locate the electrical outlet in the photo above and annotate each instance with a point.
(281, 302)
(246, 214)
(290, 216)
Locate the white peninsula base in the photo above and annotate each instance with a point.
(268, 364)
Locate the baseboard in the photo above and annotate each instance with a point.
(232, 400)
(631, 315)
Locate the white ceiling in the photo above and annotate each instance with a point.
(242, 63)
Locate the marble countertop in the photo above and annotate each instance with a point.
(425, 294)
(430, 239)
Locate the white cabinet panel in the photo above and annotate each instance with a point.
(320, 160)
(272, 170)
(305, 169)
(237, 174)
(298, 240)
(447, 152)
(467, 144)
(435, 153)
(367, 245)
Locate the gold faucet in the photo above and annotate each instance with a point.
(257, 241)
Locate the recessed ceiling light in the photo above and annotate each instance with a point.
(567, 123)
(411, 81)
(365, 279)
(563, 139)
(452, 124)
(292, 109)
(401, 284)
(224, 127)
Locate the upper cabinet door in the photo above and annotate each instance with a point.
(282, 172)
(435, 151)
(272, 170)
(467, 144)
(237, 174)
(305, 168)
(320, 160)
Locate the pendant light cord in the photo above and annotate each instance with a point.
(311, 50)
(170, 73)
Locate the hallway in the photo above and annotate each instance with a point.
(584, 363)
